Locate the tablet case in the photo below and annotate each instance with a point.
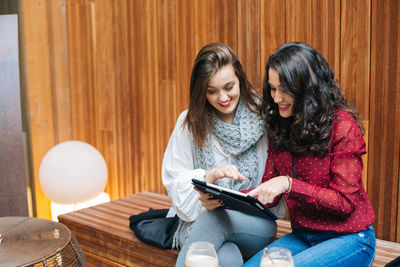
(235, 200)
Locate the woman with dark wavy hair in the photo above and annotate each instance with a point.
(314, 162)
(220, 139)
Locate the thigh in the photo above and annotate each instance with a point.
(250, 233)
(356, 249)
(292, 242)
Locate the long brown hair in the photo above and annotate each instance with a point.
(209, 60)
(304, 74)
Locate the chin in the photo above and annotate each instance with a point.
(285, 115)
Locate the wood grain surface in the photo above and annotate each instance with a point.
(124, 77)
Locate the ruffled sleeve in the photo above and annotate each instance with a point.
(177, 173)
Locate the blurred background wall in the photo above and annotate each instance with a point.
(115, 74)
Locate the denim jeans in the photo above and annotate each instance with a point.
(316, 248)
(234, 234)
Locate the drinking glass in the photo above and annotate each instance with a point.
(201, 254)
(276, 257)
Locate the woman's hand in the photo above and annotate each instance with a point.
(207, 202)
(272, 188)
(230, 171)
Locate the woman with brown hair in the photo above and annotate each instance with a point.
(219, 139)
(315, 148)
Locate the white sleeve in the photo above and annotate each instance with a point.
(177, 173)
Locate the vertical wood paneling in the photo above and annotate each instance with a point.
(186, 50)
(36, 70)
(299, 21)
(151, 151)
(226, 22)
(383, 161)
(122, 117)
(326, 31)
(104, 60)
(273, 30)
(167, 66)
(355, 53)
(204, 24)
(81, 29)
(136, 109)
(115, 74)
(249, 35)
(58, 37)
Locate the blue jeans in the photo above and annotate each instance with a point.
(234, 234)
(316, 248)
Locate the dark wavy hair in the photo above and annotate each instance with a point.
(209, 60)
(304, 74)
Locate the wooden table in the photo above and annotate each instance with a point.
(30, 241)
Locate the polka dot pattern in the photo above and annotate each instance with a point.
(328, 194)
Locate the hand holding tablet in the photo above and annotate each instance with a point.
(235, 200)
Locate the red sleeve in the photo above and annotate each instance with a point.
(347, 147)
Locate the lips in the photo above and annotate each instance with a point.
(226, 104)
(283, 107)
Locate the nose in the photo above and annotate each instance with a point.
(277, 97)
(223, 96)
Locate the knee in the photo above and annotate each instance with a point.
(229, 255)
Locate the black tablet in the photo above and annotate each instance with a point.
(235, 200)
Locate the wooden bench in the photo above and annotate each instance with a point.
(104, 235)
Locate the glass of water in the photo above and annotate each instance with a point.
(276, 257)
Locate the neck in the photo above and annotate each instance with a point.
(227, 118)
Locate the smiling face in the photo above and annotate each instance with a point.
(283, 99)
(223, 92)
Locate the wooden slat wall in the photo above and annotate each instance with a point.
(115, 74)
(384, 138)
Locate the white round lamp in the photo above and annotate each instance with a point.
(73, 172)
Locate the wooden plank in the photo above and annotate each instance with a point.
(136, 109)
(167, 77)
(58, 38)
(249, 40)
(97, 261)
(185, 23)
(226, 23)
(150, 132)
(326, 31)
(383, 159)
(273, 29)
(355, 54)
(205, 23)
(299, 21)
(36, 71)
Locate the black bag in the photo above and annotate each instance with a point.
(394, 263)
(152, 227)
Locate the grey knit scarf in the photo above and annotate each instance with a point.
(238, 140)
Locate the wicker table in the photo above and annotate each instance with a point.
(37, 242)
